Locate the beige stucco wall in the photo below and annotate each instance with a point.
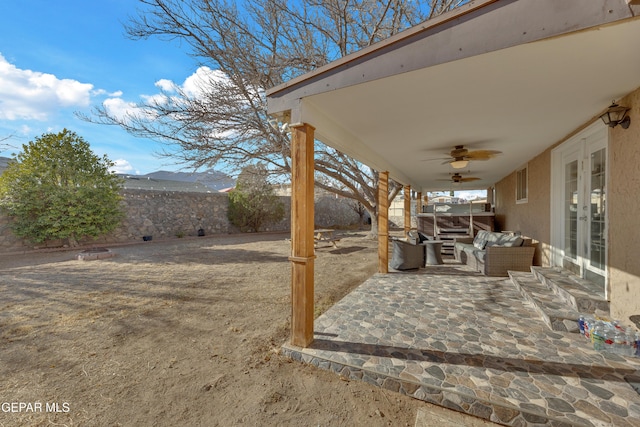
(534, 218)
(624, 211)
(531, 218)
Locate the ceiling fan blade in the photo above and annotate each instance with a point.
(459, 153)
(438, 159)
(471, 178)
(482, 154)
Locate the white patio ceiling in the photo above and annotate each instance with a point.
(516, 89)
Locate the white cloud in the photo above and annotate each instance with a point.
(471, 194)
(166, 85)
(120, 108)
(193, 86)
(99, 92)
(33, 95)
(122, 166)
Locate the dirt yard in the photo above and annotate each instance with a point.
(176, 333)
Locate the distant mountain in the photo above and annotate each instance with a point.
(211, 179)
(207, 181)
(4, 161)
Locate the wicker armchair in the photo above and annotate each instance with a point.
(407, 255)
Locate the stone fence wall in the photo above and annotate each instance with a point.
(172, 214)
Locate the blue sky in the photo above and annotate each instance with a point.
(58, 57)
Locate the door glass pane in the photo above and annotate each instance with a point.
(597, 209)
(571, 209)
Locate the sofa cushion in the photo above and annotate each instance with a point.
(501, 239)
(513, 241)
(481, 239)
(471, 251)
(491, 238)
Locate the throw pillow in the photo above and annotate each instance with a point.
(479, 243)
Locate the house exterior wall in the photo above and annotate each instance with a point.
(624, 208)
(623, 204)
(530, 218)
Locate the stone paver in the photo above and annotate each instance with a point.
(471, 343)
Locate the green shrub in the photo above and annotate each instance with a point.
(56, 188)
(253, 203)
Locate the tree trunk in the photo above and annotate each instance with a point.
(373, 234)
(73, 242)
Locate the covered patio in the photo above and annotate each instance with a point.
(515, 76)
(449, 336)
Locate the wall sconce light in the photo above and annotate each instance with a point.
(459, 163)
(616, 115)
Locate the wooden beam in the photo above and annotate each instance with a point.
(418, 204)
(383, 222)
(302, 225)
(407, 210)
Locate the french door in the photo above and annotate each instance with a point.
(579, 186)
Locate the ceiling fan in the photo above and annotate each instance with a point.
(456, 178)
(460, 156)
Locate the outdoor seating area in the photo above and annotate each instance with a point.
(495, 254)
(414, 251)
(406, 255)
(456, 338)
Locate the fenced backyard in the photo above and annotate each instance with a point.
(183, 332)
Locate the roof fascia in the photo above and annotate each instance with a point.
(464, 32)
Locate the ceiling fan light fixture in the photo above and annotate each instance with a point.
(459, 163)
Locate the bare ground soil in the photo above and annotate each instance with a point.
(177, 333)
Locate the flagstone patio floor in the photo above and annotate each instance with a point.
(452, 337)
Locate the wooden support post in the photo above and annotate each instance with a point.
(407, 210)
(383, 222)
(302, 225)
(418, 204)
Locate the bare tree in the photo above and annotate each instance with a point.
(4, 145)
(244, 48)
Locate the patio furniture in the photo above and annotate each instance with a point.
(325, 235)
(494, 254)
(433, 250)
(407, 255)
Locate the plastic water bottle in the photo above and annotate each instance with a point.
(592, 328)
(588, 327)
(598, 337)
(609, 339)
(631, 344)
(619, 342)
(581, 324)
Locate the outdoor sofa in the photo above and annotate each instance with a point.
(494, 254)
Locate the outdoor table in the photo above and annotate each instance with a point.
(325, 235)
(433, 248)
